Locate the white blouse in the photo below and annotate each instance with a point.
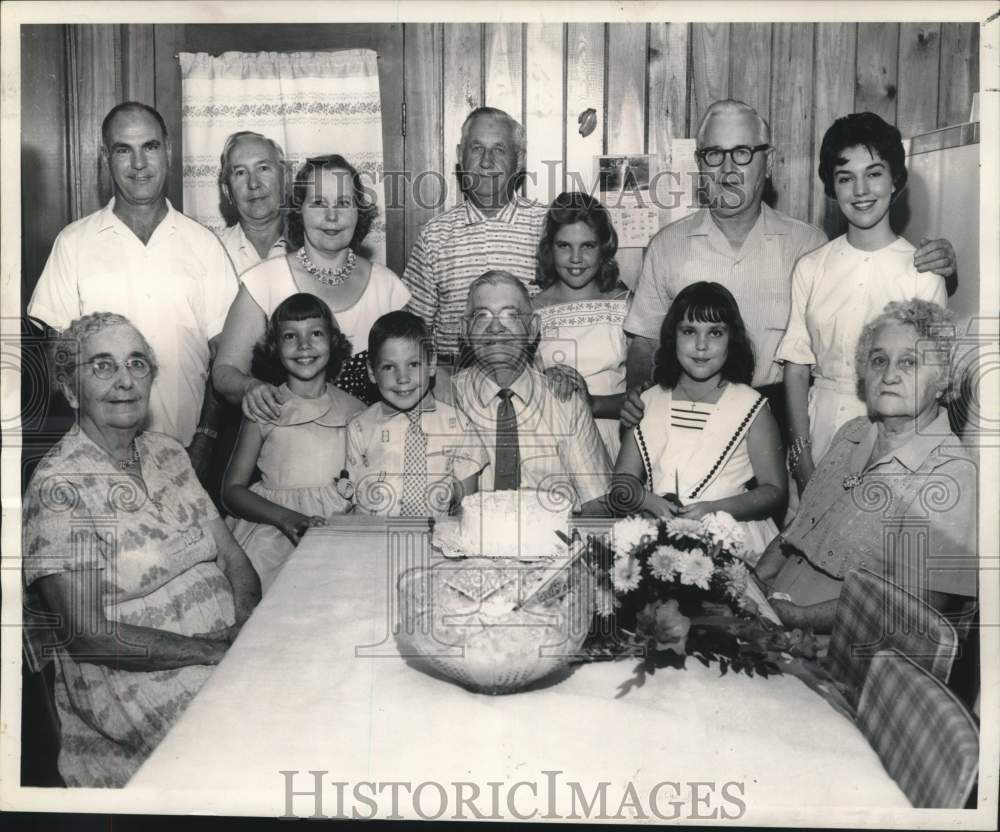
(271, 282)
(836, 290)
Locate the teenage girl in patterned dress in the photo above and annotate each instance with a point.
(582, 306)
(707, 440)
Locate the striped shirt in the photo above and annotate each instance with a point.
(759, 275)
(455, 248)
(690, 415)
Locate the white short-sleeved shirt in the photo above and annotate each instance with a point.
(759, 276)
(271, 282)
(376, 455)
(242, 252)
(836, 290)
(176, 289)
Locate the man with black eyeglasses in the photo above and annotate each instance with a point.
(737, 240)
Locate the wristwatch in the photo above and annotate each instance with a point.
(211, 434)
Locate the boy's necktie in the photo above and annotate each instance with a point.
(411, 503)
(508, 464)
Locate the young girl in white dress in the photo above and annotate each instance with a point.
(582, 306)
(301, 454)
(843, 285)
(707, 440)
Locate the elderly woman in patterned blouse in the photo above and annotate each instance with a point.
(126, 549)
(896, 492)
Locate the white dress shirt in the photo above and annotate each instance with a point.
(176, 289)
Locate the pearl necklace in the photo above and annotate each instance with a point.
(331, 277)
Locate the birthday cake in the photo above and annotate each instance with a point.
(511, 524)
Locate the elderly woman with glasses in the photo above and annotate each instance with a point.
(896, 492)
(124, 547)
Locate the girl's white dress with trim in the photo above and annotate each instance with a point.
(710, 464)
(587, 335)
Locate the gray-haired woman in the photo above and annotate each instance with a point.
(124, 546)
(896, 492)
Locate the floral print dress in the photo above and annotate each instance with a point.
(154, 560)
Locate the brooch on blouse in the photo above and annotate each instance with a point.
(852, 481)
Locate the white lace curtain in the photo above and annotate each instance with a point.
(311, 103)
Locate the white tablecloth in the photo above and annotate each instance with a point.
(315, 683)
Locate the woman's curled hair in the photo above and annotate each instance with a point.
(66, 347)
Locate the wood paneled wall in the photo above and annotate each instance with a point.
(648, 82)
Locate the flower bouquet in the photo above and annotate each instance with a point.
(677, 587)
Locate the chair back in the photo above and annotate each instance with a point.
(925, 738)
(874, 613)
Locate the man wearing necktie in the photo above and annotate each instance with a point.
(533, 439)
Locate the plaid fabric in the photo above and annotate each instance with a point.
(927, 741)
(872, 614)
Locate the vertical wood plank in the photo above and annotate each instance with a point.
(138, 71)
(423, 148)
(709, 67)
(668, 84)
(877, 60)
(959, 77)
(833, 96)
(919, 59)
(544, 116)
(750, 65)
(626, 108)
(463, 84)
(584, 90)
(94, 66)
(791, 123)
(503, 57)
(626, 91)
(168, 40)
(45, 203)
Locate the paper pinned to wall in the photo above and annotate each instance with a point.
(644, 192)
(635, 222)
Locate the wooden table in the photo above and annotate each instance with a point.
(315, 683)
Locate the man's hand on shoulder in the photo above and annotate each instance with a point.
(936, 256)
(632, 409)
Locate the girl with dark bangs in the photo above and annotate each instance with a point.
(705, 434)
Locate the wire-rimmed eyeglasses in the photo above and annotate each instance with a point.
(104, 368)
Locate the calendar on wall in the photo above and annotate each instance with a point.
(644, 192)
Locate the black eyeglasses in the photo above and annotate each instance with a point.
(741, 154)
(105, 368)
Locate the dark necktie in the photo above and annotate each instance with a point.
(508, 464)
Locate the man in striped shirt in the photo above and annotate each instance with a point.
(493, 228)
(737, 241)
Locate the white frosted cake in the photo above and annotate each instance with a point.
(510, 524)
